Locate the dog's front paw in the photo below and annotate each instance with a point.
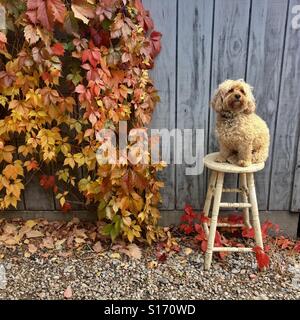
(220, 159)
(244, 163)
(232, 159)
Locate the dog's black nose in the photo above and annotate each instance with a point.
(238, 96)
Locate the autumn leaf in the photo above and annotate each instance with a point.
(83, 10)
(31, 165)
(297, 247)
(31, 34)
(30, 223)
(34, 234)
(12, 171)
(97, 247)
(68, 293)
(32, 248)
(144, 19)
(58, 49)
(66, 207)
(262, 258)
(3, 41)
(46, 12)
(155, 43)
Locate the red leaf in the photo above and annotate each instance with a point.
(161, 257)
(263, 260)
(66, 207)
(100, 37)
(203, 246)
(58, 49)
(187, 229)
(248, 233)
(235, 219)
(155, 43)
(144, 19)
(297, 247)
(46, 12)
(47, 182)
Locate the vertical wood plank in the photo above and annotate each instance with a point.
(195, 21)
(263, 72)
(36, 198)
(296, 190)
(230, 46)
(164, 14)
(287, 125)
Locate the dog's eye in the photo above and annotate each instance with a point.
(230, 91)
(243, 91)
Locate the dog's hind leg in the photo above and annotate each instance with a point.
(260, 155)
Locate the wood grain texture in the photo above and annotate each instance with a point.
(296, 189)
(164, 14)
(265, 53)
(36, 197)
(229, 57)
(287, 126)
(194, 62)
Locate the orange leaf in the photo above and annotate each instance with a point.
(58, 49)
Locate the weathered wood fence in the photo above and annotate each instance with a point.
(208, 41)
(204, 43)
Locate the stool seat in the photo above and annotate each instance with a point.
(210, 163)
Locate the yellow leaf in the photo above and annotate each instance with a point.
(30, 223)
(115, 255)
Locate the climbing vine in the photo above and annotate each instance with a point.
(68, 70)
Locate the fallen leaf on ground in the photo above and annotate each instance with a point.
(134, 251)
(48, 243)
(68, 293)
(188, 251)
(115, 255)
(9, 228)
(34, 234)
(30, 223)
(97, 247)
(32, 248)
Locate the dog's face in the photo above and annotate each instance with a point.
(234, 96)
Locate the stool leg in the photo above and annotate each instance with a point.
(214, 220)
(209, 195)
(254, 210)
(244, 187)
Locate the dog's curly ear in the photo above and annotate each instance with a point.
(217, 101)
(251, 105)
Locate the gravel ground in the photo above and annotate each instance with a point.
(110, 275)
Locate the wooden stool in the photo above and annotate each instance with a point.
(215, 189)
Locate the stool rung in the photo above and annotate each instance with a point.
(232, 190)
(235, 205)
(231, 249)
(231, 225)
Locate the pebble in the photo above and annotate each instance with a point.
(100, 277)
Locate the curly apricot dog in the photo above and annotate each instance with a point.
(243, 136)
